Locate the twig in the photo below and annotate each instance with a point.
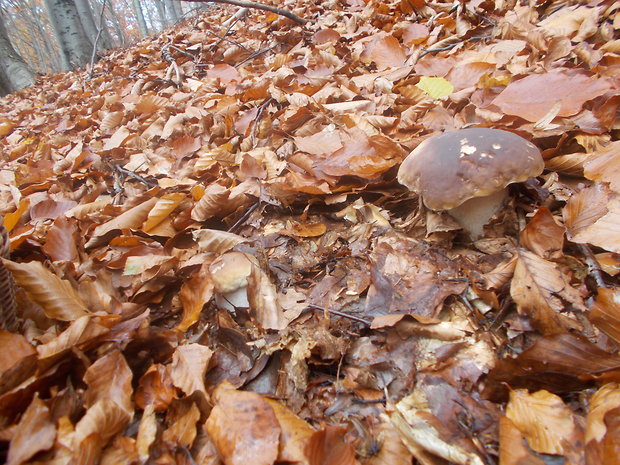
(342, 314)
(256, 6)
(221, 39)
(131, 174)
(593, 266)
(243, 218)
(255, 54)
(99, 30)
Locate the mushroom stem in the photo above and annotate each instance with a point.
(474, 213)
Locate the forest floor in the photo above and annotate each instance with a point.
(214, 262)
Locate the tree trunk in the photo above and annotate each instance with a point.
(176, 6)
(73, 42)
(161, 12)
(90, 22)
(171, 12)
(15, 73)
(118, 30)
(137, 9)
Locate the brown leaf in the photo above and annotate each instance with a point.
(224, 72)
(109, 378)
(605, 313)
(295, 435)
(534, 96)
(122, 451)
(543, 235)
(182, 419)
(147, 432)
(604, 166)
(155, 389)
(546, 422)
(328, 447)
(105, 418)
(18, 360)
(243, 427)
(512, 447)
(263, 298)
(131, 219)
(81, 332)
(392, 450)
(593, 216)
(194, 294)
(60, 240)
(536, 288)
(35, 432)
(117, 139)
(188, 368)
(214, 202)
(56, 296)
(562, 363)
(160, 211)
(218, 242)
(387, 52)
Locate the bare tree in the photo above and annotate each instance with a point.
(15, 74)
(74, 44)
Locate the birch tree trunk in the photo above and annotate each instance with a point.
(73, 42)
(15, 74)
(137, 9)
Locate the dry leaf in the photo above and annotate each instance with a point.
(35, 432)
(532, 97)
(243, 427)
(188, 368)
(56, 296)
(546, 423)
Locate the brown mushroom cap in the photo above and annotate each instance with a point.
(453, 167)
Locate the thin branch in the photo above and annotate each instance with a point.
(96, 42)
(341, 314)
(256, 6)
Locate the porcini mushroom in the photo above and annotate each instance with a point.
(229, 273)
(466, 172)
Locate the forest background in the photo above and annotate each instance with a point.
(49, 36)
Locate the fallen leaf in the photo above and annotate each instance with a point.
(56, 296)
(546, 422)
(592, 216)
(188, 368)
(34, 433)
(436, 87)
(130, 219)
(243, 427)
(536, 288)
(532, 97)
(109, 378)
(605, 313)
(155, 389)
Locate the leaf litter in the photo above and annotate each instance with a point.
(359, 327)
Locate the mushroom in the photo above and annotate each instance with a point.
(229, 273)
(466, 172)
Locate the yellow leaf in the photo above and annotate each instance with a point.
(436, 87)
